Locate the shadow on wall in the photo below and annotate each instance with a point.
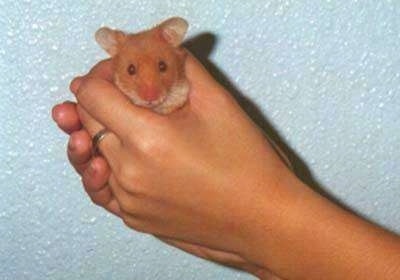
(201, 46)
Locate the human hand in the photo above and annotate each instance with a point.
(154, 158)
(216, 94)
(95, 174)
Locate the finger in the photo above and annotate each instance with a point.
(102, 70)
(124, 204)
(123, 197)
(110, 107)
(101, 197)
(105, 199)
(113, 207)
(96, 175)
(201, 81)
(75, 84)
(66, 117)
(79, 150)
(110, 146)
(95, 178)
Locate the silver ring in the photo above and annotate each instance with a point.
(96, 140)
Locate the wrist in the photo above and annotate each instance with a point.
(305, 236)
(283, 235)
(277, 210)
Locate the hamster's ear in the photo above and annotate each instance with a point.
(173, 30)
(110, 40)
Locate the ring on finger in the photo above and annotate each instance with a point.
(97, 138)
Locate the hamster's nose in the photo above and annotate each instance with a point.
(150, 94)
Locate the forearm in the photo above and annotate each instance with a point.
(312, 238)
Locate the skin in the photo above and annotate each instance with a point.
(191, 179)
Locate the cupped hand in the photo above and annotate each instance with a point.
(197, 176)
(95, 174)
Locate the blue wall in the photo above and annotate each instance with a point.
(325, 74)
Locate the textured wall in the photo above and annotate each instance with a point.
(325, 74)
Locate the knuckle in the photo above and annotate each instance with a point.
(79, 144)
(75, 84)
(125, 175)
(130, 179)
(149, 146)
(153, 147)
(129, 137)
(88, 86)
(149, 139)
(84, 87)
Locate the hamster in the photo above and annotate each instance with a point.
(149, 65)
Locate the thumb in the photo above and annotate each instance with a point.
(200, 79)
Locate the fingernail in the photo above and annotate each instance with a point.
(55, 113)
(75, 84)
(92, 169)
(71, 145)
(68, 102)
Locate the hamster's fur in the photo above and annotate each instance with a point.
(149, 65)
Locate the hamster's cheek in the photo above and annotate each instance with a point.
(125, 85)
(168, 80)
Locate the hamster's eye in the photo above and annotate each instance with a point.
(131, 69)
(162, 66)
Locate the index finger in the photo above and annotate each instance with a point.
(110, 107)
(103, 70)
